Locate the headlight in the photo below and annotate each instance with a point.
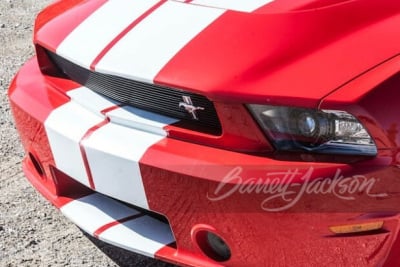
(322, 131)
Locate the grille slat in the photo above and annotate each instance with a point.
(155, 98)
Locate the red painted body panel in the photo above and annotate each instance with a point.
(360, 96)
(316, 51)
(311, 49)
(320, 54)
(187, 172)
(51, 28)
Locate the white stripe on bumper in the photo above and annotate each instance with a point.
(112, 151)
(143, 235)
(94, 211)
(65, 128)
(140, 119)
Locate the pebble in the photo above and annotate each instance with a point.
(31, 243)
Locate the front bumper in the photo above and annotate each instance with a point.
(112, 169)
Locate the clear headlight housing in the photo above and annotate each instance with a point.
(320, 131)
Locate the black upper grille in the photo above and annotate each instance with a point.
(151, 97)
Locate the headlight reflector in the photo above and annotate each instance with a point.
(322, 131)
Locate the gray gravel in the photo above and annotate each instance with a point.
(32, 232)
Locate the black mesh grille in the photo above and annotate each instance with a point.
(155, 98)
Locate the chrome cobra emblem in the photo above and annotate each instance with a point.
(187, 104)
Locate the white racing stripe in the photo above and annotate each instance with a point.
(94, 211)
(85, 43)
(140, 119)
(91, 100)
(65, 127)
(145, 50)
(239, 5)
(113, 153)
(110, 152)
(144, 235)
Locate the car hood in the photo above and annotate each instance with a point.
(277, 52)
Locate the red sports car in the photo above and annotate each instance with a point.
(220, 132)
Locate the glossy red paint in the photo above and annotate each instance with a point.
(299, 5)
(41, 96)
(52, 28)
(53, 10)
(31, 106)
(240, 132)
(259, 238)
(356, 89)
(190, 171)
(29, 120)
(184, 258)
(302, 53)
(316, 52)
(360, 98)
(193, 175)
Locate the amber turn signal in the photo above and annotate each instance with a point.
(356, 228)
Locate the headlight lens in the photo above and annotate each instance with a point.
(322, 131)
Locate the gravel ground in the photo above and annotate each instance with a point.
(32, 232)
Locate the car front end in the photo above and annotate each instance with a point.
(257, 134)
